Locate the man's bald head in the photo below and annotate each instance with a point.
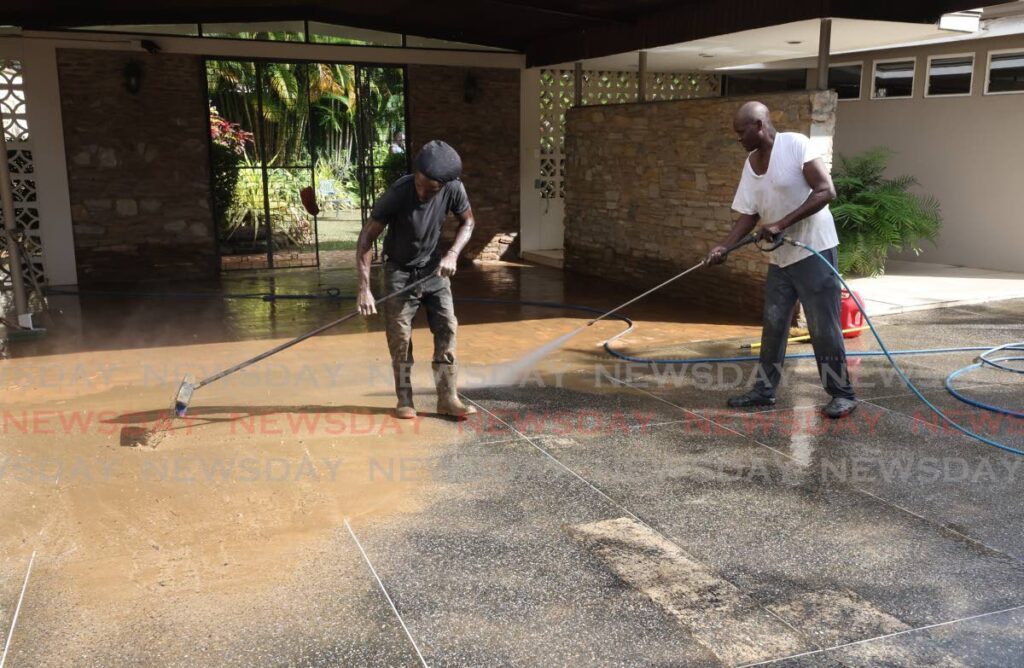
(753, 111)
(753, 125)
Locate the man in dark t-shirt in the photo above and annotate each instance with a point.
(413, 210)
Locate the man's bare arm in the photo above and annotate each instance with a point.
(822, 192)
(450, 259)
(364, 257)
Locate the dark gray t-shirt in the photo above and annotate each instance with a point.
(414, 227)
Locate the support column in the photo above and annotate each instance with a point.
(10, 230)
(577, 84)
(641, 83)
(824, 45)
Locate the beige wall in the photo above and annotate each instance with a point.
(967, 151)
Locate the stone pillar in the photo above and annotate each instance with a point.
(649, 189)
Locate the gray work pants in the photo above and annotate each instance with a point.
(817, 288)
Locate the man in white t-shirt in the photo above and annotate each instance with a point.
(786, 187)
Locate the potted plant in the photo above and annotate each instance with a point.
(875, 214)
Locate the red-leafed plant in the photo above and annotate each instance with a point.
(227, 134)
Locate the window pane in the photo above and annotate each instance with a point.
(763, 81)
(894, 79)
(1006, 73)
(188, 29)
(845, 80)
(951, 76)
(283, 31)
(325, 33)
(428, 43)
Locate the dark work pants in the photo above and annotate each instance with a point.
(817, 288)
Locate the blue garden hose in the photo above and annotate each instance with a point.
(998, 363)
(334, 294)
(995, 363)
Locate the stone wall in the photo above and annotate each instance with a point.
(485, 132)
(649, 189)
(138, 166)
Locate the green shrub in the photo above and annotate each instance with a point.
(224, 163)
(874, 214)
(393, 168)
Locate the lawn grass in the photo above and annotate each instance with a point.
(339, 233)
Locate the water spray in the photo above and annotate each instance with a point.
(514, 371)
(749, 239)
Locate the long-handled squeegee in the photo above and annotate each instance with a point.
(189, 384)
(749, 239)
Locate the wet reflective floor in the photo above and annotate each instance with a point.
(286, 303)
(596, 512)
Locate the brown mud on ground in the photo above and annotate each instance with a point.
(213, 516)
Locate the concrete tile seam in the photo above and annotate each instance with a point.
(940, 527)
(912, 418)
(885, 636)
(557, 461)
(733, 411)
(672, 422)
(384, 590)
(882, 500)
(632, 515)
(17, 609)
(969, 539)
(719, 425)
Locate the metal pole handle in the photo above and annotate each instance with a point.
(300, 339)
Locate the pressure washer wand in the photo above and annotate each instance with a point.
(749, 239)
(185, 390)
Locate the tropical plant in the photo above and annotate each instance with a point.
(395, 166)
(228, 144)
(295, 116)
(875, 214)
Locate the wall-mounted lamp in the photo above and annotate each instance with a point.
(470, 88)
(133, 77)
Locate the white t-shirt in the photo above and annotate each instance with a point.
(780, 191)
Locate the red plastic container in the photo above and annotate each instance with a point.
(850, 315)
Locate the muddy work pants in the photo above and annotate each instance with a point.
(435, 295)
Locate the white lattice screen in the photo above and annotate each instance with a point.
(19, 158)
(601, 87)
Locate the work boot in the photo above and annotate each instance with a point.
(750, 399)
(840, 407)
(403, 388)
(448, 403)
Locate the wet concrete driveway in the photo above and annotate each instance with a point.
(595, 513)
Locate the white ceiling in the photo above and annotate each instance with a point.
(764, 46)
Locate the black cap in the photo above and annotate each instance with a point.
(438, 161)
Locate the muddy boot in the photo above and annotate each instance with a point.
(403, 388)
(448, 402)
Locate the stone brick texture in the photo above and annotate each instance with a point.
(649, 189)
(138, 166)
(485, 132)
